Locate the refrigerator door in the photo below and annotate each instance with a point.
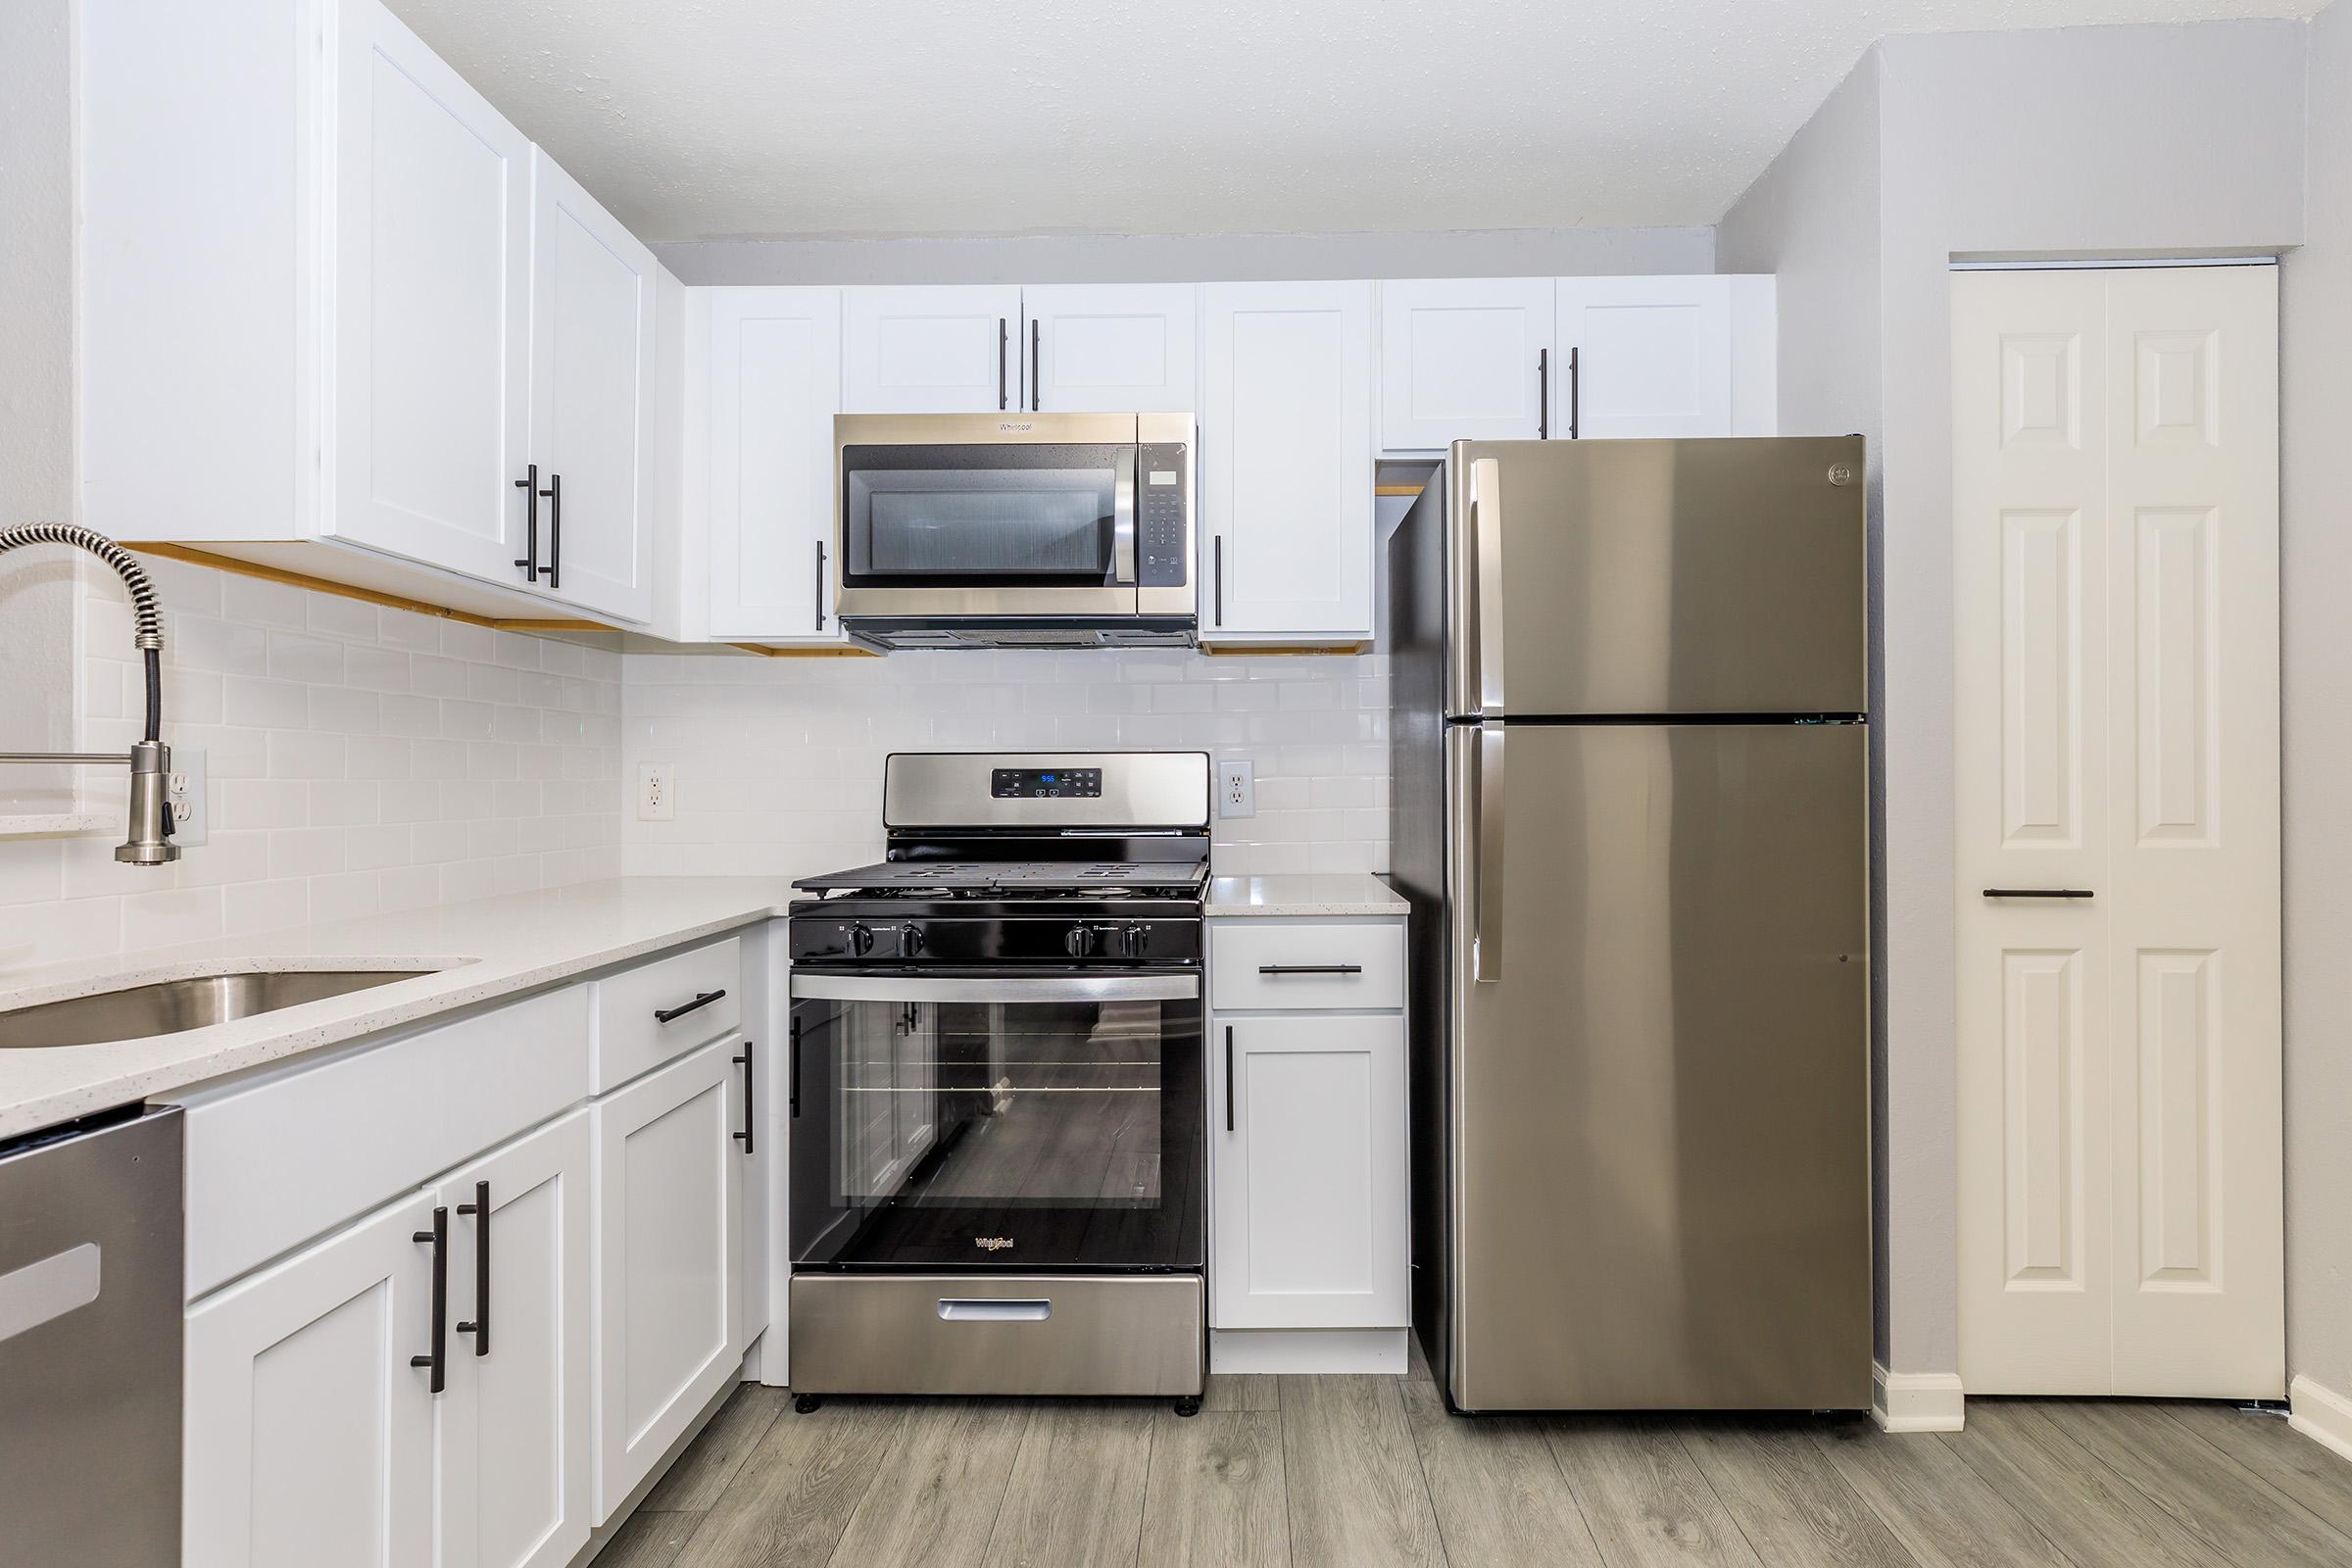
(1657, 1067)
(1641, 577)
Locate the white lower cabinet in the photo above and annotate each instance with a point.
(669, 1201)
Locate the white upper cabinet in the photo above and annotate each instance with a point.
(1646, 356)
(1465, 360)
(1286, 463)
(943, 350)
(432, 305)
(774, 385)
(1107, 348)
(591, 398)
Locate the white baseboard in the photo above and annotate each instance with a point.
(1379, 1352)
(2321, 1414)
(1916, 1401)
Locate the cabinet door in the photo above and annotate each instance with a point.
(1464, 358)
(1309, 1185)
(1286, 436)
(669, 1203)
(432, 301)
(309, 1438)
(1107, 348)
(592, 398)
(515, 1487)
(1646, 356)
(931, 350)
(774, 387)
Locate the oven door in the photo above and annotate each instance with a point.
(1019, 1124)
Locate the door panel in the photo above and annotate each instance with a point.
(1653, 356)
(931, 350)
(1109, 347)
(775, 385)
(1662, 576)
(1680, 1008)
(1465, 360)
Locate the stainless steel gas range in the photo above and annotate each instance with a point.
(998, 1159)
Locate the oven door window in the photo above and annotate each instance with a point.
(997, 1134)
(1001, 516)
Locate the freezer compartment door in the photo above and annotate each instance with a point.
(1636, 577)
(1660, 1098)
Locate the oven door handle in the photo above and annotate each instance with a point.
(1062, 988)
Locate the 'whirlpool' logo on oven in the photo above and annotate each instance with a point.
(992, 1243)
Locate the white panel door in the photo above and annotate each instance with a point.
(515, 1485)
(1107, 348)
(668, 1237)
(2116, 516)
(1644, 356)
(592, 398)
(1286, 463)
(309, 1437)
(432, 307)
(775, 385)
(1465, 358)
(931, 350)
(1308, 1201)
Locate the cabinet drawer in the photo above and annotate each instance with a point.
(631, 1039)
(1322, 965)
(292, 1157)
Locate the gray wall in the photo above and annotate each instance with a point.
(1813, 219)
(1185, 259)
(2316, 408)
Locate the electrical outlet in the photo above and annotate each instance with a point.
(657, 792)
(1236, 788)
(184, 789)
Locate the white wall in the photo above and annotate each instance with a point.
(2317, 567)
(1186, 259)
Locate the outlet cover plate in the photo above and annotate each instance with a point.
(1236, 788)
(191, 810)
(657, 792)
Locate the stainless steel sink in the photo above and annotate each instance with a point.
(169, 1006)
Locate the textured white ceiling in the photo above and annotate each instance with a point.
(775, 119)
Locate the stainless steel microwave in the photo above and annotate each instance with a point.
(1054, 531)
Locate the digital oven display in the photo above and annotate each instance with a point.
(1044, 783)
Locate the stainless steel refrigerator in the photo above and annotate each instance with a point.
(1629, 812)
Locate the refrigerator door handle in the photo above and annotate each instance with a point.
(1489, 858)
(1485, 513)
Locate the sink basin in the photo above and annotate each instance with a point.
(169, 1007)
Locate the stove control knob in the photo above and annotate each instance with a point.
(862, 939)
(910, 940)
(1073, 941)
(1132, 940)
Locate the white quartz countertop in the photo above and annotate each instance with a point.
(1350, 892)
(479, 951)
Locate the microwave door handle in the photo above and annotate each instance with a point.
(1122, 522)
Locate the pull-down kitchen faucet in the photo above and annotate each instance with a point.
(149, 840)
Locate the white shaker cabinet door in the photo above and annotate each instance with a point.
(1465, 358)
(1644, 356)
(931, 350)
(1286, 463)
(669, 1207)
(774, 387)
(309, 1437)
(432, 307)
(515, 1485)
(1107, 348)
(592, 399)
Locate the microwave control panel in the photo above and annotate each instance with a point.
(1162, 488)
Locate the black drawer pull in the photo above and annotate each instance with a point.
(792, 1082)
(672, 1014)
(1311, 968)
(479, 1328)
(1229, 1077)
(438, 1236)
(2037, 892)
(748, 1111)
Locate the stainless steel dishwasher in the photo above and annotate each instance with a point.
(91, 1243)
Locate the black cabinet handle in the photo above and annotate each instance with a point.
(529, 486)
(1575, 395)
(439, 1359)
(821, 585)
(672, 1014)
(1543, 394)
(749, 1108)
(792, 1085)
(1229, 1077)
(1311, 968)
(1033, 362)
(479, 1328)
(2038, 893)
(1216, 577)
(554, 569)
(1003, 340)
